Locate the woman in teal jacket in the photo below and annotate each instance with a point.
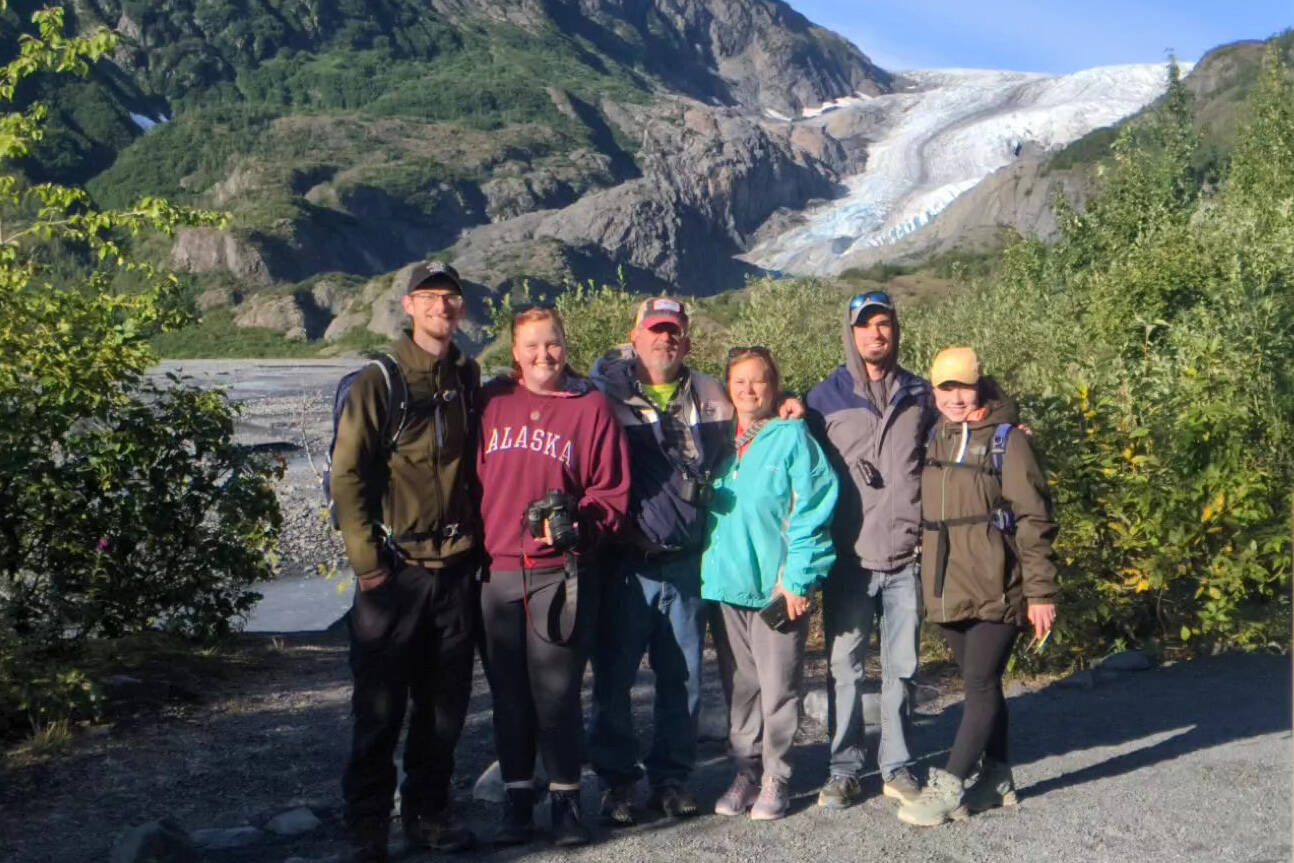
(769, 538)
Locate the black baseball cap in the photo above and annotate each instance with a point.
(432, 274)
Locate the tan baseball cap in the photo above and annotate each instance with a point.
(955, 365)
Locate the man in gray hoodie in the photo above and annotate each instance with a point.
(872, 418)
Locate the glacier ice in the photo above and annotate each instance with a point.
(939, 138)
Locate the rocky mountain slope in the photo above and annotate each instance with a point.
(542, 140)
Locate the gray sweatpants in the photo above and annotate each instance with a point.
(761, 670)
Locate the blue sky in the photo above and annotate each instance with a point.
(1045, 35)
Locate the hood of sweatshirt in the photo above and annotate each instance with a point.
(854, 360)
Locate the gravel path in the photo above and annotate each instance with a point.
(1183, 763)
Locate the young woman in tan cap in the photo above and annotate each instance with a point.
(988, 572)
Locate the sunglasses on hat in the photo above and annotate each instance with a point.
(872, 299)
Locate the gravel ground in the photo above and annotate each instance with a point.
(1183, 763)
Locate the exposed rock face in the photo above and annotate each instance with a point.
(761, 54)
(203, 250)
(711, 177)
(281, 314)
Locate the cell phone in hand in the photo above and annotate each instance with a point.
(775, 615)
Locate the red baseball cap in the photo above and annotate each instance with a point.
(661, 310)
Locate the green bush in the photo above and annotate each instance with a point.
(127, 504)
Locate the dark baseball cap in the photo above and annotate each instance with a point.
(432, 274)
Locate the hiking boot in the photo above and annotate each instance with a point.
(618, 805)
(739, 796)
(902, 786)
(366, 842)
(773, 801)
(568, 828)
(840, 792)
(674, 802)
(940, 801)
(518, 825)
(435, 831)
(994, 787)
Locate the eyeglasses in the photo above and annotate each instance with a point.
(449, 299)
(871, 298)
(762, 351)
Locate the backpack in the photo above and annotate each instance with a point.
(1000, 516)
(397, 416)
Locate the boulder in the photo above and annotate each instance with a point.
(294, 822)
(222, 838)
(1128, 660)
(281, 314)
(161, 841)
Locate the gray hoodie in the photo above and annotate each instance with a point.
(877, 452)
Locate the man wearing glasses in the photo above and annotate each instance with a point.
(403, 480)
(872, 418)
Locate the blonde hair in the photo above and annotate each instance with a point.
(755, 352)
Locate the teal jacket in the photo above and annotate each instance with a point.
(770, 519)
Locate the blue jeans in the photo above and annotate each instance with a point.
(851, 599)
(651, 607)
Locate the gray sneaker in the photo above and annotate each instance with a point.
(902, 786)
(994, 787)
(840, 792)
(739, 797)
(940, 801)
(773, 801)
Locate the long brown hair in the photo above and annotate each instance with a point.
(533, 315)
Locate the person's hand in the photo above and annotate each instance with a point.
(1043, 617)
(791, 408)
(373, 579)
(795, 604)
(1025, 430)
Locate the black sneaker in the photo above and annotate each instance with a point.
(618, 805)
(366, 842)
(568, 829)
(518, 825)
(674, 802)
(436, 832)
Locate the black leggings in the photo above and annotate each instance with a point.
(535, 684)
(981, 649)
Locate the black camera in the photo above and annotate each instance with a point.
(696, 490)
(559, 509)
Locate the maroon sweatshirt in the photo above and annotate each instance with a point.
(531, 443)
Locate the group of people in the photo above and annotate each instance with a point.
(549, 520)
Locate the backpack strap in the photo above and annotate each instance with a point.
(997, 453)
(397, 411)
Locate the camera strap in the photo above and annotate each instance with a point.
(559, 628)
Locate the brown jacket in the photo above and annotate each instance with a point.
(988, 575)
(425, 492)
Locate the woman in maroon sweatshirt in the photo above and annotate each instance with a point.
(543, 428)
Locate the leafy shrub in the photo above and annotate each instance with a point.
(127, 504)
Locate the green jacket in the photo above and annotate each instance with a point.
(770, 519)
(988, 575)
(425, 491)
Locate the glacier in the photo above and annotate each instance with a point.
(941, 135)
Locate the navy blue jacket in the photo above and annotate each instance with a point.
(660, 520)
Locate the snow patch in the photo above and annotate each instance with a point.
(942, 137)
(145, 122)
